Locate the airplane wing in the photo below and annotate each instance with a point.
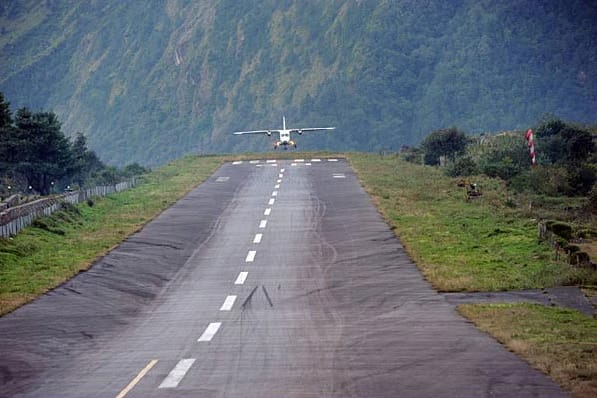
(268, 132)
(308, 129)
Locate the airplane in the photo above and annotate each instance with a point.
(284, 140)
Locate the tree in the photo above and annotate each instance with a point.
(44, 152)
(85, 162)
(560, 143)
(445, 142)
(5, 116)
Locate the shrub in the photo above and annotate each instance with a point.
(462, 167)
(445, 142)
(561, 229)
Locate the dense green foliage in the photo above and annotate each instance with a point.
(36, 157)
(566, 157)
(447, 143)
(149, 83)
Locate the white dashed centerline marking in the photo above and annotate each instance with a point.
(332, 160)
(281, 170)
(262, 223)
(280, 175)
(271, 201)
(316, 160)
(279, 181)
(176, 375)
(137, 378)
(254, 161)
(257, 238)
(271, 161)
(241, 278)
(275, 193)
(267, 212)
(210, 331)
(228, 303)
(277, 186)
(299, 160)
(237, 162)
(338, 175)
(250, 256)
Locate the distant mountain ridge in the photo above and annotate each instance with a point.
(151, 81)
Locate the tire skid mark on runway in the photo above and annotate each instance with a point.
(176, 375)
(269, 300)
(247, 301)
(210, 331)
(137, 378)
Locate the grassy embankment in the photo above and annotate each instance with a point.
(40, 258)
(486, 245)
(460, 245)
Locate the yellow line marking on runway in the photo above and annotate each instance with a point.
(138, 378)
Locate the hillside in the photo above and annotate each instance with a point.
(148, 83)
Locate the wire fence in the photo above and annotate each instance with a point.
(14, 219)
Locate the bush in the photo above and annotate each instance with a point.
(581, 179)
(412, 155)
(446, 142)
(462, 167)
(549, 180)
(592, 202)
(558, 142)
(561, 229)
(504, 168)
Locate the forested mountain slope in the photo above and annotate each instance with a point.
(148, 81)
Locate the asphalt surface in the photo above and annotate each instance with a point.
(221, 297)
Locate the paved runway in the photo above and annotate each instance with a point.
(272, 279)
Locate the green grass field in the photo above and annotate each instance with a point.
(460, 245)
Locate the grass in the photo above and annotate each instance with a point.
(460, 245)
(560, 342)
(43, 256)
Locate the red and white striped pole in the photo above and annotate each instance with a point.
(531, 143)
